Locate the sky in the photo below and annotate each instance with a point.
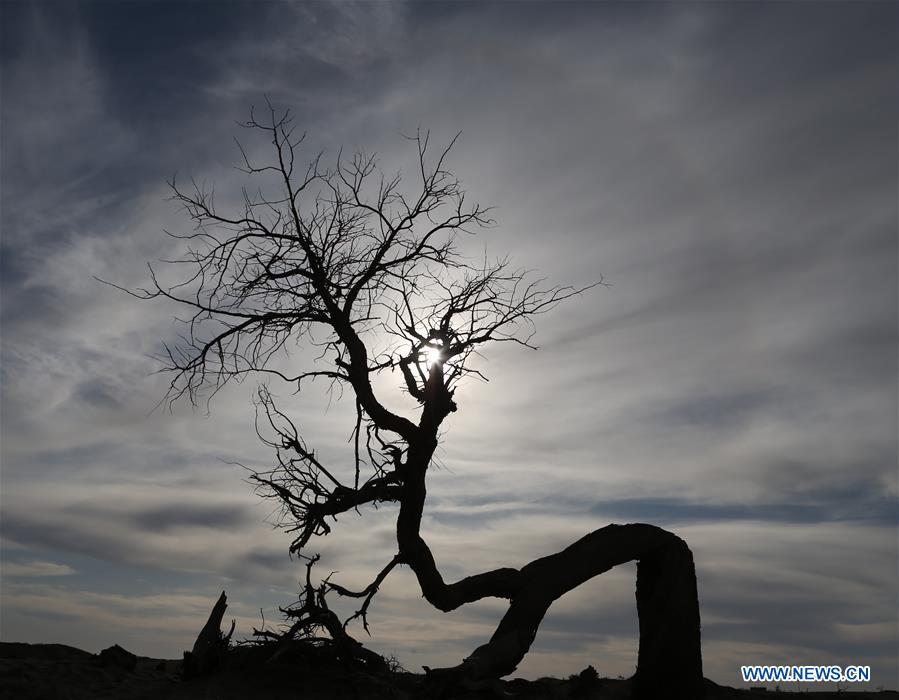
(729, 169)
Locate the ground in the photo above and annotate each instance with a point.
(59, 672)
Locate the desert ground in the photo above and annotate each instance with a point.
(59, 672)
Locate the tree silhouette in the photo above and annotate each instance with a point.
(367, 268)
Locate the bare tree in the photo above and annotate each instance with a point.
(367, 267)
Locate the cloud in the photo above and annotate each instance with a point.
(180, 515)
(864, 504)
(35, 569)
(187, 537)
(148, 624)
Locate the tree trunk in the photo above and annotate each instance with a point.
(205, 654)
(670, 656)
(669, 660)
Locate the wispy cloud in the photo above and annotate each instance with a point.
(35, 569)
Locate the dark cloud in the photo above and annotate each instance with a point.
(133, 458)
(263, 565)
(864, 504)
(97, 393)
(37, 532)
(173, 537)
(719, 412)
(779, 608)
(160, 56)
(38, 304)
(183, 515)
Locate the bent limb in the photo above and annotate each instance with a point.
(667, 605)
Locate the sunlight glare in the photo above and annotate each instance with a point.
(432, 355)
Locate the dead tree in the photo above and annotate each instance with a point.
(210, 644)
(368, 268)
